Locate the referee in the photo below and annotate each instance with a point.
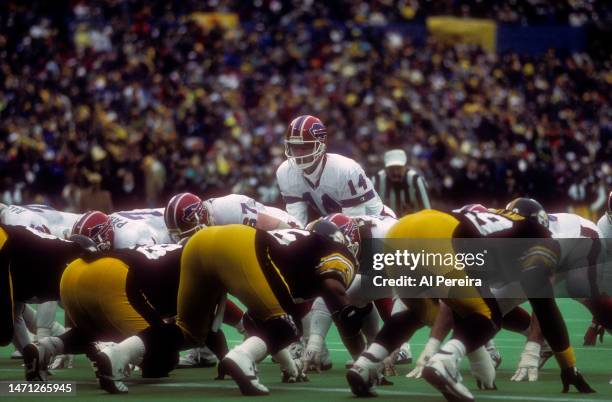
(401, 188)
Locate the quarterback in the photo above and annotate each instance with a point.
(325, 183)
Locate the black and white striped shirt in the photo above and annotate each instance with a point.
(405, 197)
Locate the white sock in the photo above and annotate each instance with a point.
(54, 344)
(320, 319)
(254, 347)
(371, 325)
(455, 347)
(133, 348)
(306, 321)
(378, 351)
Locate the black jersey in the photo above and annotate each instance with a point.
(153, 277)
(532, 243)
(295, 261)
(36, 261)
(497, 223)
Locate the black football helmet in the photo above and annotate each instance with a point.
(529, 208)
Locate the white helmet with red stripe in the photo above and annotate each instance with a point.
(98, 227)
(305, 141)
(349, 228)
(185, 214)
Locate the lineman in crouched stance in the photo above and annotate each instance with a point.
(267, 271)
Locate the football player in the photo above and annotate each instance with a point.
(325, 183)
(31, 266)
(355, 228)
(111, 295)
(139, 227)
(478, 318)
(47, 220)
(580, 267)
(267, 271)
(41, 217)
(186, 213)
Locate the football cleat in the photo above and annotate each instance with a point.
(62, 362)
(295, 375)
(36, 358)
(404, 355)
(494, 353)
(442, 373)
(364, 375)
(198, 357)
(296, 349)
(16, 355)
(244, 372)
(111, 369)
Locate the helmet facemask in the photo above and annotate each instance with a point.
(304, 154)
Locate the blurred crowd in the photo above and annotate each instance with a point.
(135, 100)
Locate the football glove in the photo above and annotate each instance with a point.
(528, 364)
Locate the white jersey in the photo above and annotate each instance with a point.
(570, 226)
(579, 263)
(605, 226)
(240, 209)
(139, 227)
(342, 186)
(41, 217)
(378, 225)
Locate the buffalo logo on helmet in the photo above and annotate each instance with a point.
(192, 212)
(318, 130)
(101, 229)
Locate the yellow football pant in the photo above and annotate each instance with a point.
(94, 296)
(432, 224)
(215, 261)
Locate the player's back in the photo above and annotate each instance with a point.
(234, 209)
(295, 258)
(37, 260)
(139, 227)
(40, 217)
(154, 271)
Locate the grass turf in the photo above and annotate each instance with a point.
(198, 384)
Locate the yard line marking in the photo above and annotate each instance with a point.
(497, 342)
(380, 392)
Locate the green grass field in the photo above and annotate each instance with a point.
(198, 384)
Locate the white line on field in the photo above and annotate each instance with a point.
(521, 346)
(380, 392)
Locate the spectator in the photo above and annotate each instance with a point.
(93, 197)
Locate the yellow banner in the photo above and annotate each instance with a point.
(464, 30)
(210, 20)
